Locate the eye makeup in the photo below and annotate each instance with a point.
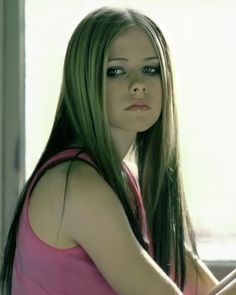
(117, 71)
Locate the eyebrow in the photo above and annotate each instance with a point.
(125, 59)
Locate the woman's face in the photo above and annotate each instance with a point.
(133, 76)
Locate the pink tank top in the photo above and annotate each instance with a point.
(41, 269)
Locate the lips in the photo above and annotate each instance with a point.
(138, 103)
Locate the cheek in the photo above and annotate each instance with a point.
(159, 94)
(155, 91)
(109, 97)
(115, 93)
(114, 87)
(159, 90)
(111, 91)
(112, 100)
(157, 97)
(158, 86)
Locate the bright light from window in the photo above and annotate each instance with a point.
(203, 46)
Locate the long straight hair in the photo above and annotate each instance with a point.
(81, 121)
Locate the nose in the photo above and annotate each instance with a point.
(138, 87)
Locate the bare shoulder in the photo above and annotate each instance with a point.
(51, 185)
(84, 176)
(86, 187)
(89, 194)
(45, 206)
(47, 201)
(55, 178)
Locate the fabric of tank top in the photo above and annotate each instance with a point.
(42, 269)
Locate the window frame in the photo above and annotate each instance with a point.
(12, 114)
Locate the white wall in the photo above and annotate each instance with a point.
(203, 44)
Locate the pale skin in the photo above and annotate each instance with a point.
(91, 207)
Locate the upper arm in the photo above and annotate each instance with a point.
(95, 218)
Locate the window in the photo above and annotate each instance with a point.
(12, 151)
(201, 38)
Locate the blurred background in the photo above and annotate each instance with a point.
(202, 41)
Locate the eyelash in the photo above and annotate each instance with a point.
(123, 71)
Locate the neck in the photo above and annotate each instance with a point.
(123, 140)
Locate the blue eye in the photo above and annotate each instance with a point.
(115, 72)
(152, 70)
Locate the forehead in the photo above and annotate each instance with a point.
(133, 42)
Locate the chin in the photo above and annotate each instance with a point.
(141, 128)
(144, 126)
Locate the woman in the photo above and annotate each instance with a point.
(81, 225)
